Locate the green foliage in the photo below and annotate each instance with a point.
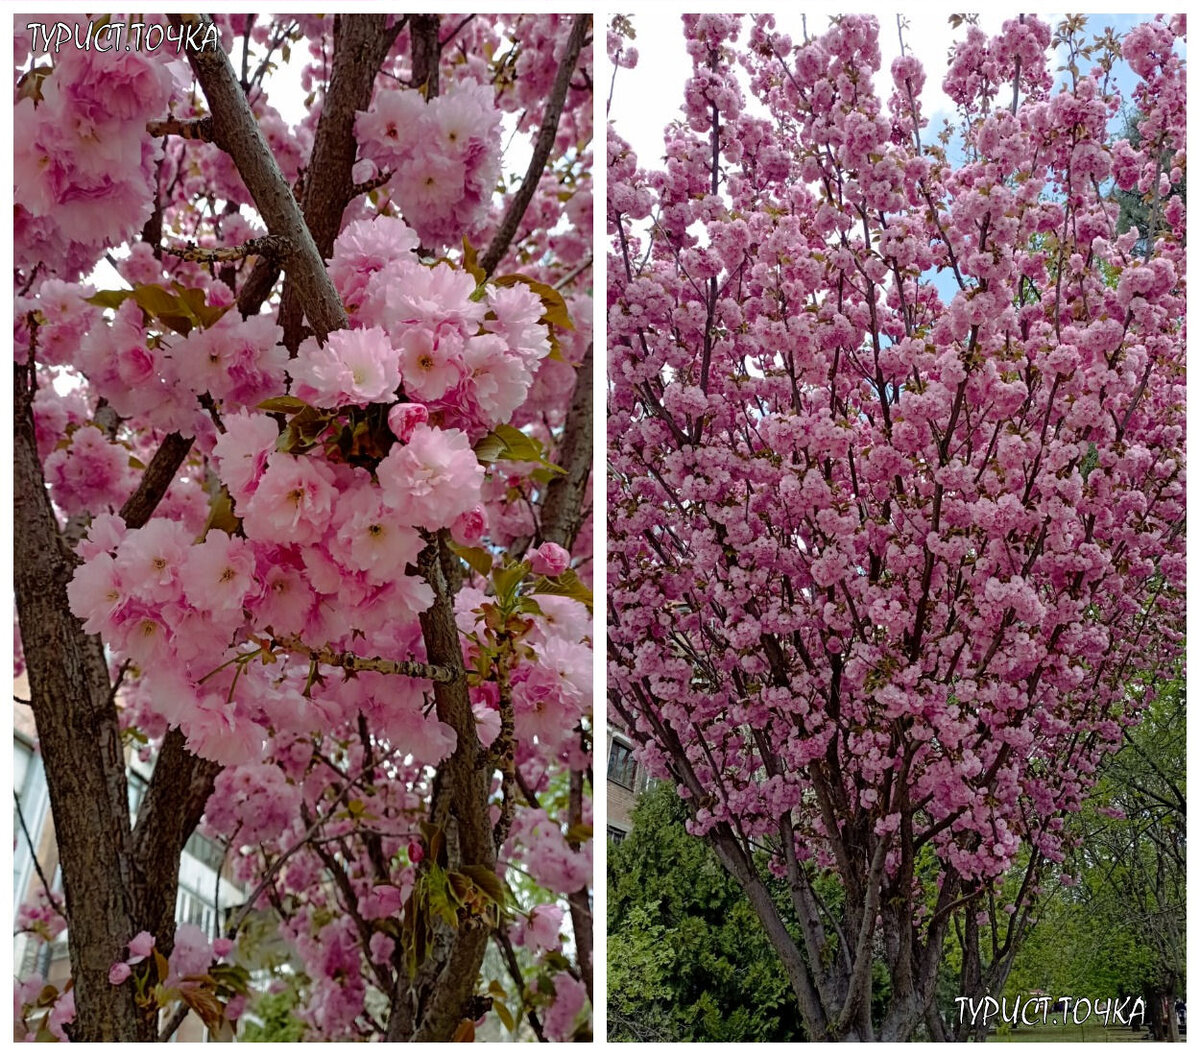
(180, 308)
(687, 957)
(278, 1022)
(1137, 209)
(1121, 930)
(507, 443)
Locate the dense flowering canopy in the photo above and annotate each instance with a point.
(896, 425)
(278, 607)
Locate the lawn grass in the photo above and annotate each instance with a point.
(1091, 1031)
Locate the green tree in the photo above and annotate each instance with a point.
(1121, 931)
(687, 957)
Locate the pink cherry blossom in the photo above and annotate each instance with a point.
(549, 559)
(432, 479)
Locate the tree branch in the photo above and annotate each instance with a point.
(174, 802)
(445, 985)
(354, 662)
(196, 128)
(37, 865)
(267, 246)
(581, 910)
(236, 130)
(156, 479)
(361, 43)
(562, 505)
(541, 151)
(514, 970)
(80, 742)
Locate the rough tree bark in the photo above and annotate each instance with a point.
(235, 131)
(80, 742)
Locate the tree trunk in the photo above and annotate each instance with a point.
(80, 742)
(1172, 1024)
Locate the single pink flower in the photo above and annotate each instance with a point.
(549, 559)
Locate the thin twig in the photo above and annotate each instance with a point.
(266, 246)
(572, 275)
(541, 151)
(247, 906)
(514, 969)
(197, 128)
(36, 864)
(367, 186)
(353, 662)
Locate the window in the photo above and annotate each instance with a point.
(205, 850)
(616, 835)
(33, 798)
(621, 767)
(193, 908)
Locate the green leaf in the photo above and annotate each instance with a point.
(434, 841)
(475, 556)
(282, 405)
(471, 262)
(154, 300)
(440, 896)
(176, 321)
(505, 1015)
(507, 578)
(233, 977)
(109, 298)
(193, 301)
(556, 962)
(506, 443)
(568, 585)
(304, 430)
(487, 881)
(530, 607)
(221, 515)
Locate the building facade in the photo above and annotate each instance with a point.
(626, 781)
(206, 894)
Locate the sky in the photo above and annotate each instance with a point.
(647, 98)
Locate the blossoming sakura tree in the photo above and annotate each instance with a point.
(897, 503)
(302, 512)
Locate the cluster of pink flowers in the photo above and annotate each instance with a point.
(84, 166)
(443, 154)
(470, 360)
